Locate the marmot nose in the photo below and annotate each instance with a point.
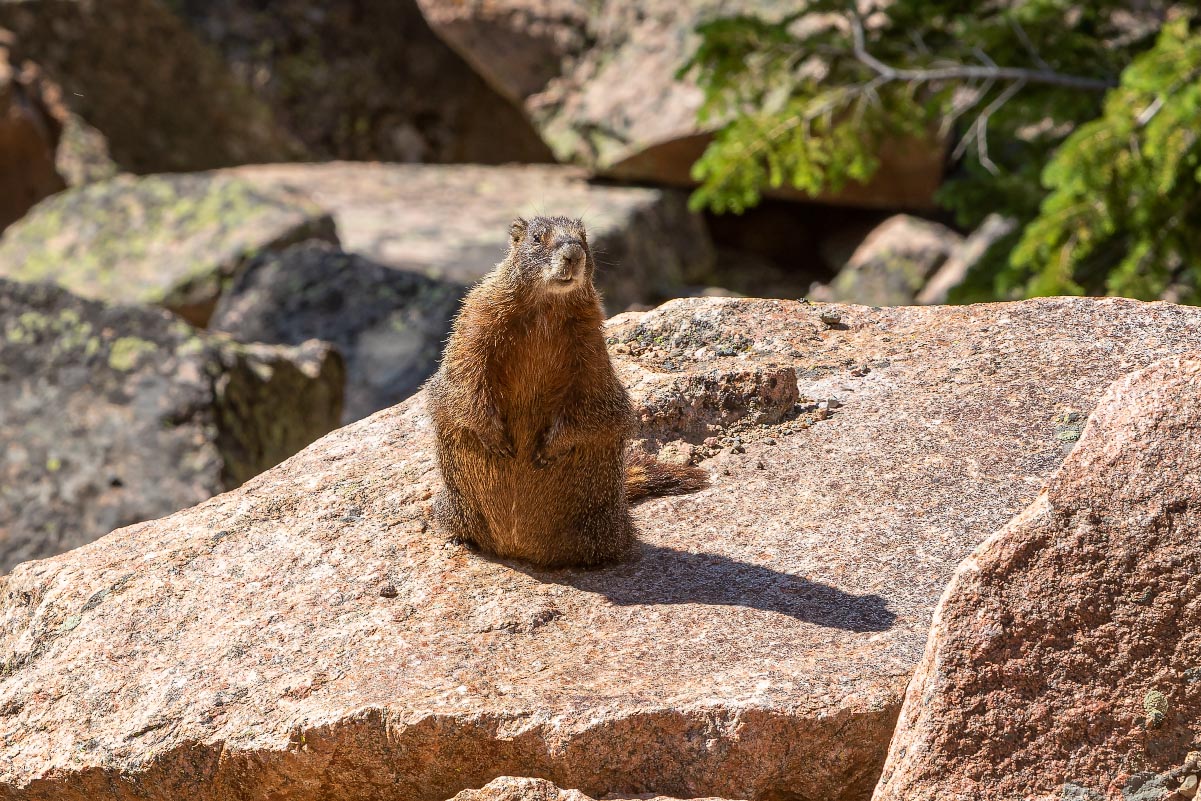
(572, 253)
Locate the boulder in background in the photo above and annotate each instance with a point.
(163, 101)
(892, 264)
(365, 80)
(451, 222)
(171, 240)
(388, 324)
(110, 415)
(598, 79)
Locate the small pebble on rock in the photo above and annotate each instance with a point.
(388, 591)
(833, 403)
(770, 440)
(831, 318)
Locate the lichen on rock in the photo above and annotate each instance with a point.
(110, 415)
(170, 240)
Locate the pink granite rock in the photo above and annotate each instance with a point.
(309, 636)
(510, 788)
(1065, 656)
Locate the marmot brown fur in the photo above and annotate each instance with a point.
(530, 418)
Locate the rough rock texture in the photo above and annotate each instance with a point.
(452, 222)
(510, 788)
(307, 635)
(965, 256)
(1064, 657)
(110, 415)
(132, 70)
(891, 266)
(388, 324)
(163, 239)
(83, 154)
(599, 81)
(31, 122)
(365, 80)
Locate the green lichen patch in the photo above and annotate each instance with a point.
(125, 352)
(162, 239)
(1155, 705)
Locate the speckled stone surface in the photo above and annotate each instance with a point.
(512, 788)
(1065, 658)
(169, 240)
(309, 635)
(451, 221)
(111, 415)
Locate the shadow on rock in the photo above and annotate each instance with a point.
(668, 576)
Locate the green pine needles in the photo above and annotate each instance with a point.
(1078, 119)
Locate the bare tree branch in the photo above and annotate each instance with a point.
(1024, 38)
(962, 72)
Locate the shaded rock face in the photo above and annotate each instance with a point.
(1064, 660)
(132, 70)
(510, 788)
(308, 634)
(452, 222)
(111, 415)
(388, 324)
(598, 79)
(170, 240)
(893, 263)
(365, 80)
(31, 122)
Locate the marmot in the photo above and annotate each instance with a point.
(531, 420)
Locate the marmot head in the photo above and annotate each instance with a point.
(551, 253)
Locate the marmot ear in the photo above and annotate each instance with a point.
(517, 230)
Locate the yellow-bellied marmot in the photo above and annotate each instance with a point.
(531, 421)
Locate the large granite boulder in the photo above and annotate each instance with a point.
(388, 324)
(110, 415)
(171, 240)
(452, 222)
(364, 80)
(308, 634)
(132, 70)
(600, 81)
(31, 124)
(1065, 658)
